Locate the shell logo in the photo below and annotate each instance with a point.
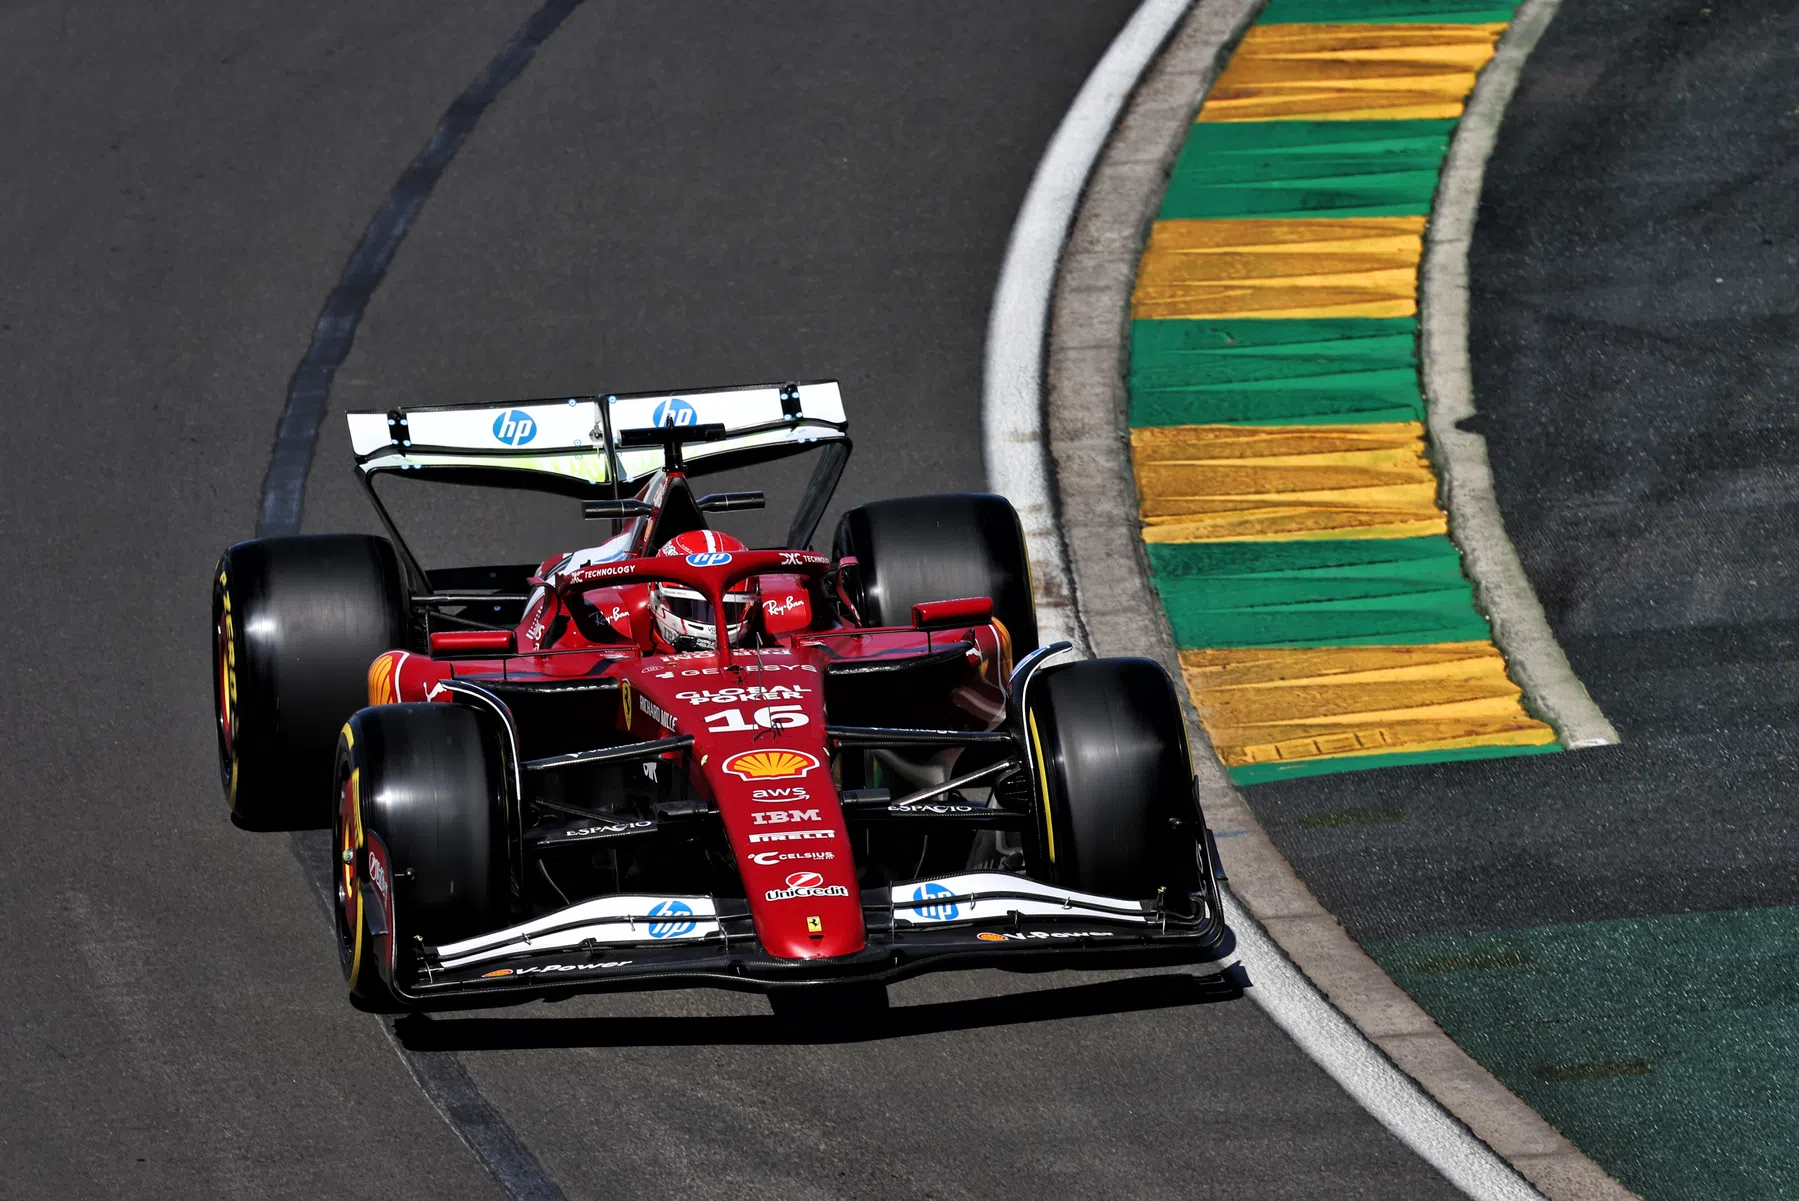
(770, 765)
(989, 936)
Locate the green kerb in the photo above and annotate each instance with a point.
(1273, 169)
(1263, 773)
(1385, 12)
(1355, 592)
(1291, 372)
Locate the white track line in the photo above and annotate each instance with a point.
(1018, 467)
(1012, 416)
(1532, 654)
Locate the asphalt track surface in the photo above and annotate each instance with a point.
(671, 194)
(1635, 351)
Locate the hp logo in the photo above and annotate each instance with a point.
(676, 410)
(710, 558)
(514, 428)
(675, 919)
(940, 912)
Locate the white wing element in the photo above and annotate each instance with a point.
(602, 920)
(565, 437)
(992, 896)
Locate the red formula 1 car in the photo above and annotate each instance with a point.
(672, 759)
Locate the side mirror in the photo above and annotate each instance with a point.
(952, 614)
(731, 502)
(474, 642)
(618, 510)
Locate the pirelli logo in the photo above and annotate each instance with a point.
(793, 835)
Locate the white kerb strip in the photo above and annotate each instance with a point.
(1533, 655)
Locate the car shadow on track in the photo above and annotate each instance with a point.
(420, 1032)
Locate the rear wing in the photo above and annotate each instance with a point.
(570, 445)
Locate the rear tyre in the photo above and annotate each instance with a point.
(296, 623)
(1115, 781)
(931, 548)
(420, 840)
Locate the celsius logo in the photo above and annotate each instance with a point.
(938, 907)
(771, 858)
(709, 558)
(673, 411)
(674, 918)
(514, 427)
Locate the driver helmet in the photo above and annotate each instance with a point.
(683, 615)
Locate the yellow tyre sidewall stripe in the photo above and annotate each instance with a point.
(1049, 816)
(352, 842)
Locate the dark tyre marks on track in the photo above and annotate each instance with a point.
(441, 1077)
(309, 392)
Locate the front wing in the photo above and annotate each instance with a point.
(972, 919)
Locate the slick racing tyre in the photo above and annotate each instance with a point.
(1115, 784)
(947, 547)
(419, 840)
(296, 623)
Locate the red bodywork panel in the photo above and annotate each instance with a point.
(757, 716)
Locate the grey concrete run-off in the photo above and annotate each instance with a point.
(1533, 656)
(1120, 613)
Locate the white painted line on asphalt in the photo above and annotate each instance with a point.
(1335, 1045)
(1533, 655)
(1012, 417)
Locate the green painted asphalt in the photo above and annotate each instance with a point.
(1665, 1047)
(1307, 169)
(1292, 372)
(1337, 592)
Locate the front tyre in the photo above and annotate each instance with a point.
(1115, 783)
(932, 548)
(420, 840)
(296, 623)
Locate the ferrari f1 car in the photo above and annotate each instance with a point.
(670, 759)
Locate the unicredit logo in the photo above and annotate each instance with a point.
(806, 884)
